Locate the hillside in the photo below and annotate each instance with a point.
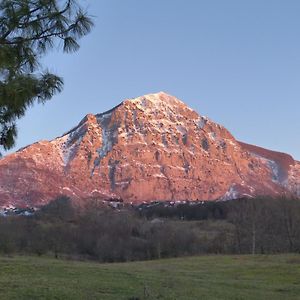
(206, 277)
(150, 148)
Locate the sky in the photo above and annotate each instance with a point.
(235, 61)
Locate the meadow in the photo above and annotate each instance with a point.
(200, 277)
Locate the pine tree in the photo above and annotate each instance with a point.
(28, 30)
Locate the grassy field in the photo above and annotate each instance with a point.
(206, 277)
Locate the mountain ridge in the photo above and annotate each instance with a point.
(152, 147)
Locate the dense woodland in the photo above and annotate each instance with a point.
(101, 233)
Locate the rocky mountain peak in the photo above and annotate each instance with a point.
(158, 101)
(148, 148)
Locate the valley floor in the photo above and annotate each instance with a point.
(204, 277)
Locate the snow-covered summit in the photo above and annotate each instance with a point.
(159, 100)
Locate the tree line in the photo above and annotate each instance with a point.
(98, 232)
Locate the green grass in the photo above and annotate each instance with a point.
(207, 277)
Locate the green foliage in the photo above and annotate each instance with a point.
(28, 30)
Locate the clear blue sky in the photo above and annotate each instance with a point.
(235, 61)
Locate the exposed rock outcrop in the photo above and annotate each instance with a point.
(149, 148)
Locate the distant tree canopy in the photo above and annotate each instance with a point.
(28, 30)
(97, 231)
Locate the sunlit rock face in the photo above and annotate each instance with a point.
(151, 148)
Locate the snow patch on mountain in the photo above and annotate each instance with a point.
(201, 122)
(108, 135)
(272, 165)
(231, 194)
(67, 147)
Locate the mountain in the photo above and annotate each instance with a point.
(151, 148)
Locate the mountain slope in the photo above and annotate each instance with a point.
(149, 148)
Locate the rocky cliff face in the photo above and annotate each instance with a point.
(149, 148)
